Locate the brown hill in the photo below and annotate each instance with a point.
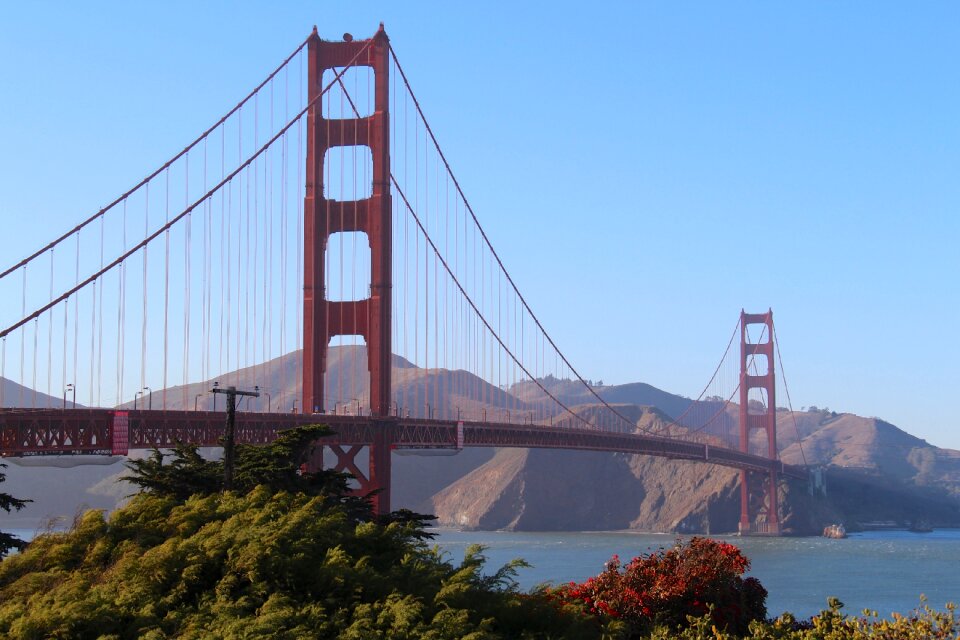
(17, 395)
(533, 490)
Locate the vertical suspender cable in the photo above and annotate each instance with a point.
(406, 244)
(283, 239)
(188, 241)
(436, 302)
(426, 277)
(121, 320)
(100, 322)
(268, 255)
(416, 273)
(427, 284)
(299, 236)
(241, 223)
(166, 285)
(457, 328)
(76, 319)
(223, 339)
(205, 282)
(256, 233)
(447, 365)
(50, 340)
(33, 386)
(93, 339)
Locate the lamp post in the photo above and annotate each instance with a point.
(195, 398)
(72, 388)
(269, 400)
(135, 396)
(256, 388)
(149, 397)
(228, 436)
(216, 385)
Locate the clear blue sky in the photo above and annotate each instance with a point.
(645, 169)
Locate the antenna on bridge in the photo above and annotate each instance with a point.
(229, 445)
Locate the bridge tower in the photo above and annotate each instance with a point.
(324, 319)
(767, 521)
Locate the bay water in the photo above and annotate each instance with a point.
(884, 571)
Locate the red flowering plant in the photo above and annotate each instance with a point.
(663, 588)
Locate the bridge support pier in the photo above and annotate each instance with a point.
(376, 480)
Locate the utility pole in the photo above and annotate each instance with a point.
(228, 436)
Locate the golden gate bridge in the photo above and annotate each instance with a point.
(315, 243)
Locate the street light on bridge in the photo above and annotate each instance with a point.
(256, 388)
(70, 387)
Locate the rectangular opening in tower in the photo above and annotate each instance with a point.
(347, 267)
(351, 96)
(757, 333)
(348, 172)
(758, 443)
(757, 401)
(347, 379)
(758, 364)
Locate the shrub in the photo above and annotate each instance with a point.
(695, 578)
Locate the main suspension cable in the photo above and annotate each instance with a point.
(157, 172)
(143, 243)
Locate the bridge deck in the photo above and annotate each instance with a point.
(31, 432)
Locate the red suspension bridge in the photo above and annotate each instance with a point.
(326, 185)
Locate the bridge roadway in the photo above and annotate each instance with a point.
(32, 432)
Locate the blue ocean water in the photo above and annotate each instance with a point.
(884, 571)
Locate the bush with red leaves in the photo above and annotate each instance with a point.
(663, 588)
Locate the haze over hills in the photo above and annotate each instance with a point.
(874, 471)
(13, 394)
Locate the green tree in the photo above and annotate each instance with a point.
(9, 504)
(293, 557)
(279, 466)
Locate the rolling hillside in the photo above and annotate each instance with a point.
(874, 470)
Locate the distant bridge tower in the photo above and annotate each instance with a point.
(767, 521)
(324, 319)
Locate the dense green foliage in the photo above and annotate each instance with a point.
(292, 557)
(830, 624)
(8, 503)
(262, 564)
(277, 466)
